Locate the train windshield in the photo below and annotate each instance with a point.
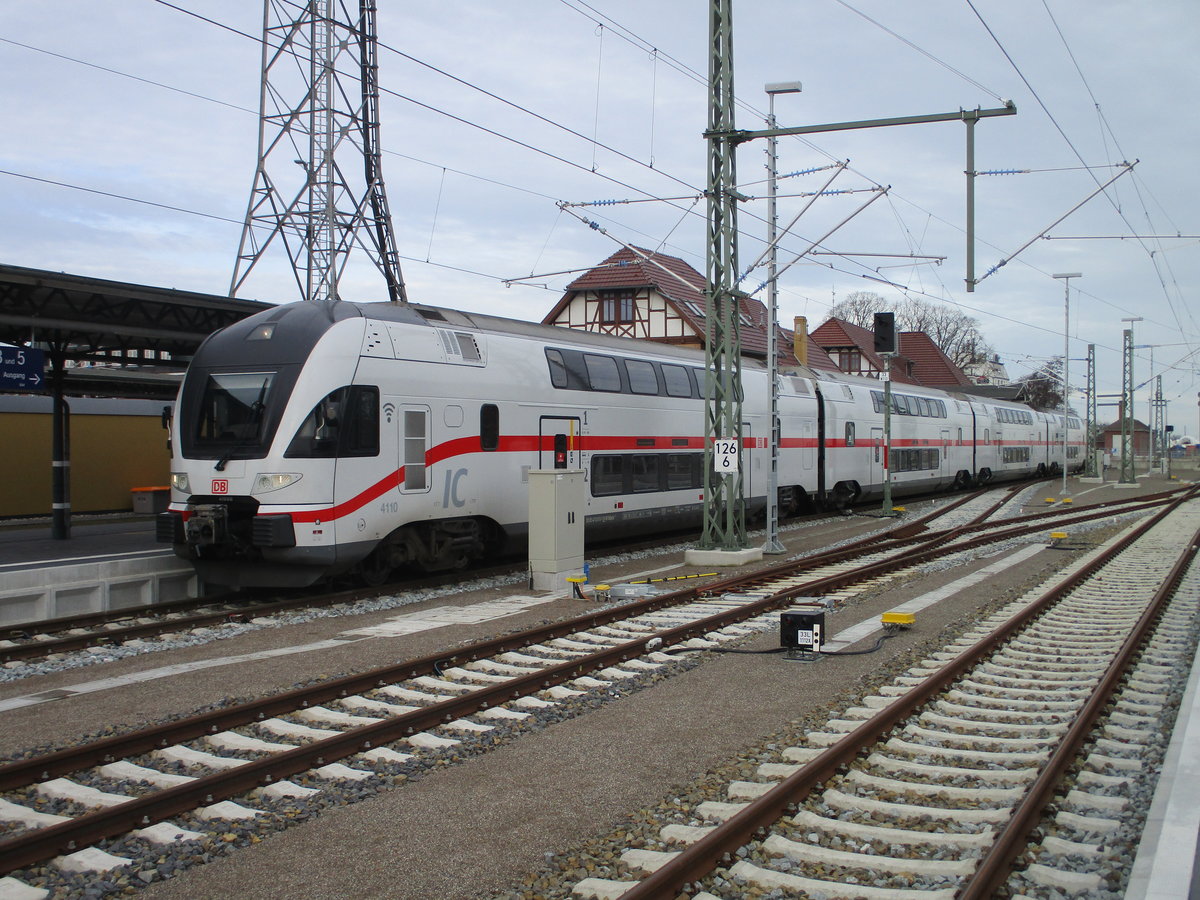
(231, 420)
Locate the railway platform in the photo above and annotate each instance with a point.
(108, 562)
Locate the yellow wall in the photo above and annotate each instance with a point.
(109, 455)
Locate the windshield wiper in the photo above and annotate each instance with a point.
(256, 408)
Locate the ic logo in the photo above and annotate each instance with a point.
(220, 486)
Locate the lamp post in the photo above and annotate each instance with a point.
(772, 544)
(1066, 386)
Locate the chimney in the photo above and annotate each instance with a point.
(800, 339)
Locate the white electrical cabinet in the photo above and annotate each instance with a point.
(556, 514)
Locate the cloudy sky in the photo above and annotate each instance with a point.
(131, 143)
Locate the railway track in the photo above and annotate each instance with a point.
(1015, 748)
(39, 640)
(375, 726)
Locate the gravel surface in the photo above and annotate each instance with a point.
(479, 825)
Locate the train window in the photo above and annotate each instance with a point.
(849, 434)
(677, 382)
(489, 426)
(644, 471)
(914, 460)
(558, 368)
(679, 468)
(877, 401)
(231, 410)
(642, 379)
(416, 430)
(607, 475)
(344, 424)
(360, 431)
(603, 374)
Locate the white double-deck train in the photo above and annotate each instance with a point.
(315, 439)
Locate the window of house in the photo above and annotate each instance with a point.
(616, 309)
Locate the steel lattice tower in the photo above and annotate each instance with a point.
(318, 187)
(724, 513)
(1092, 422)
(1157, 425)
(1127, 475)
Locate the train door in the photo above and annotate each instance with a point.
(944, 453)
(414, 446)
(857, 459)
(560, 443)
(750, 460)
(878, 467)
(808, 446)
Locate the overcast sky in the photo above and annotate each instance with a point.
(131, 139)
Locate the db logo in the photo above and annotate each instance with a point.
(220, 486)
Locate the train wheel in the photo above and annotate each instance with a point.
(844, 494)
(375, 569)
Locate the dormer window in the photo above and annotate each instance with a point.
(616, 309)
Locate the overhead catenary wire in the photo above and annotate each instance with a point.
(515, 187)
(557, 157)
(1009, 258)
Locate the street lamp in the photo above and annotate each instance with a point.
(1066, 279)
(772, 544)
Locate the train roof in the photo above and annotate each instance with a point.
(442, 317)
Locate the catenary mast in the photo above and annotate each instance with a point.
(724, 513)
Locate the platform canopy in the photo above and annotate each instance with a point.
(109, 338)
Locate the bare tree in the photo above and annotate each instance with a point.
(1043, 388)
(955, 333)
(859, 308)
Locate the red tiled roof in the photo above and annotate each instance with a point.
(643, 268)
(683, 287)
(931, 366)
(840, 333)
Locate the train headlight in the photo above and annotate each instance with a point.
(179, 482)
(273, 481)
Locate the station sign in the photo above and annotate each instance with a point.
(22, 369)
